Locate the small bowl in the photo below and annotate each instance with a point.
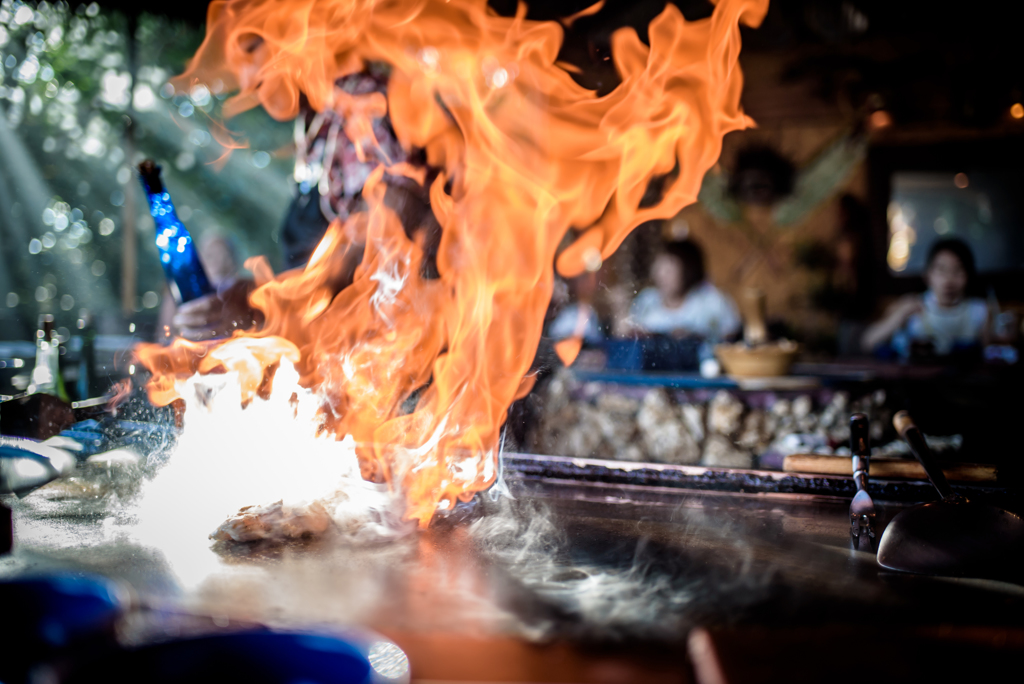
(761, 361)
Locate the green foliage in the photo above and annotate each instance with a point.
(75, 120)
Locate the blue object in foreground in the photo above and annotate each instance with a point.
(253, 657)
(178, 255)
(51, 616)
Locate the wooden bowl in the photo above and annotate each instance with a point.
(760, 361)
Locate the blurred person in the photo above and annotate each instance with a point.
(682, 302)
(330, 173)
(578, 317)
(943, 320)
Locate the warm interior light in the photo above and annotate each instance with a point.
(901, 237)
(1017, 110)
(961, 181)
(880, 119)
(524, 155)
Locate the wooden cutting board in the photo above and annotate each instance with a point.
(883, 467)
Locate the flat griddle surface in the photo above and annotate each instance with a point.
(582, 561)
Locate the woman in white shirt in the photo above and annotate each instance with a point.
(682, 302)
(943, 316)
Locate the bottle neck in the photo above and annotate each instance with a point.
(162, 208)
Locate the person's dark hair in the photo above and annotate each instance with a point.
(957, 248)
(692, 257)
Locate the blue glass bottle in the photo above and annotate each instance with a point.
(185, 275)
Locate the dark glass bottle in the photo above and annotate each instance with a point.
(178, 255)
(86, 387)
(46, 375)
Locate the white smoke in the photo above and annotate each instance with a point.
(581, 594)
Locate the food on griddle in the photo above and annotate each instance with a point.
(275, 521)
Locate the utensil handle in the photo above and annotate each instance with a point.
(860, 448)
(904, 425)
(860, 438)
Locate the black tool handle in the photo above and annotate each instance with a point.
(860, 440)
(860, 449)
(904, 425)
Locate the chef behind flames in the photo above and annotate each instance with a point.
(330, 172)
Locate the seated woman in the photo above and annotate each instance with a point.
(682, 302)
(943, 318)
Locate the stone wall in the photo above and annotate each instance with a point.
(709, 427)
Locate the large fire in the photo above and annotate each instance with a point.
(523, 155)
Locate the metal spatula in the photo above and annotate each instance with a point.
(862, 508)
(953, 536)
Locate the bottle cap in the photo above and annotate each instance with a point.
(149, 170)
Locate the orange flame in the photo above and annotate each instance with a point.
(524, 155)
(119, 392)
(569, 348)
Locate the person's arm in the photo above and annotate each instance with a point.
(895, 318)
